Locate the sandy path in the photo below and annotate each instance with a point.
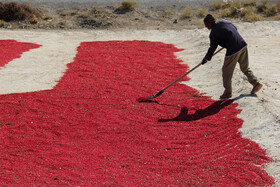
(39, 69)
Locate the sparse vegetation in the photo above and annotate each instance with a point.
(237, 4)
(17, 12)
(202, 12)
(247, 10)
(187, 13)
(261, 7)
(2, 23)
(13, 15)
(271, 10)
(216, 5)
(252, 17)
(126, 6)
(168, 12)
(250, 2)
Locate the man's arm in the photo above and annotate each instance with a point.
(212, 48)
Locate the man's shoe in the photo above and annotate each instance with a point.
(256, 88)
(225, 95)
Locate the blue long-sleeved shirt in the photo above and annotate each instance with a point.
(225, 34)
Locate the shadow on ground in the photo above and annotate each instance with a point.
(208, 111)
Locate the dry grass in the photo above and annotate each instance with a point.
(127, 15)
(264, 2)
(229, 12)
(250, 2)
(216, 5)
(261, 8)
(247, 10)
(225, 12)
(187, 13)
(271, 10)
(126, 6)
(168, 12)
(202, 12)
(237, 4)
(2, 23)
(252, 17)
(18, 12)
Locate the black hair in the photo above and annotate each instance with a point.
(209, 19)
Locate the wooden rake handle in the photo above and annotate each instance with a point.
(162, 90)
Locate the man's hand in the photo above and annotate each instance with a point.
(203, 61)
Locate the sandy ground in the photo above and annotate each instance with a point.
(39, 69)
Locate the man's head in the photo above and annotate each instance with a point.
(209, 21)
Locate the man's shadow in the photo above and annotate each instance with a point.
(202, 113)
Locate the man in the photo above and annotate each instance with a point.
(225, 34)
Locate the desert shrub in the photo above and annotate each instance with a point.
(17, 12)
(168, 12)
(187, 13)
(252, 17)
(276, 18)
(2, 23)
(225, 12)
(216, 5)
(278, 5)
(229, 12)
(126, 6)
(249, 2)
(264, 2)
(247, 11)
(237, 4)
(261, 8)
(64, 13)
(271, 10)
(226, 4)
(202, 12)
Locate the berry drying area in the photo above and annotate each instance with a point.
(89, 130)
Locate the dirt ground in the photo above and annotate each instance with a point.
(108, 18)
(115, 17)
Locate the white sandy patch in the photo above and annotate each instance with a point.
(39, 69)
